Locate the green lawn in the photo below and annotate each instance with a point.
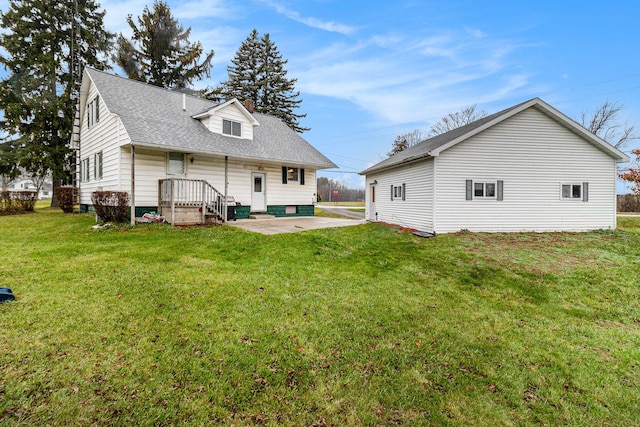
(351, 326)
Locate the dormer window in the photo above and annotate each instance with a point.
(231, 128)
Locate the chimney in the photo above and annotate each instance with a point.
(249, 105)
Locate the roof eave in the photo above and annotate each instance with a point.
(166, 148)
(403, 162)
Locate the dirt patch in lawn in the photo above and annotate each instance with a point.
(539, 253)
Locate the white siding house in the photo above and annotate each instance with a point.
(130, 132)
(526, 168)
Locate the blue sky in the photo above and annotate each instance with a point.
(369, 70)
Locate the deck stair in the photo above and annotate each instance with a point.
(190, 201)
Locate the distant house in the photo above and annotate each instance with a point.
(27, 184)
(171, 152)
(526, 168)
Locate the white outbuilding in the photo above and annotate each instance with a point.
(526, 168)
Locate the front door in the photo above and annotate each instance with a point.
(372, 203)
(258, 192)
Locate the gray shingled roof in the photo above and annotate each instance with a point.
(425, 148)
(154, 117)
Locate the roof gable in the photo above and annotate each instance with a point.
(220, 109)
(434, 146)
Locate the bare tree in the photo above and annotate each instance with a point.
(604, 122)
(455, 120)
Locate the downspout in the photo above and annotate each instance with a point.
(226, 186)
(133, 185)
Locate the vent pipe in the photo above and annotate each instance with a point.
(184, 102)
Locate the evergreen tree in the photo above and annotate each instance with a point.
(406, 140)
(159, 52)
(245, 79)
(46, 44)
(258, 74)
(399, 144)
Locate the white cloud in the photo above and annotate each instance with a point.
(204, 9)
(330, 26)
(413, 81)
(115, 19)
(118, 10)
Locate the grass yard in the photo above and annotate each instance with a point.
(351, 326)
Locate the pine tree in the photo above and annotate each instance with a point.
(258, 74)
(399, 144)
(45, 45)
(406, 140)
(244, 79)
(160, 52)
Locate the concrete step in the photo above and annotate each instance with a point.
(261, 216)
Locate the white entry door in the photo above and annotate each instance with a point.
(372, 203)
(258, 192)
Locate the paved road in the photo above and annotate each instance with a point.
(344, 211)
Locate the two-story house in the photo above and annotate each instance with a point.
(183, 156)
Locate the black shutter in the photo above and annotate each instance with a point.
(404, 190)
(97, 108)
(301, 176)
(284, 175)
(392, 192)
(499, 190)
(469, 189)
(585, 191)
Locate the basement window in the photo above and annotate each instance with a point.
(231, 128)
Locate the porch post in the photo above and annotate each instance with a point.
(204, 201)
(173, 201)
(133, 185)
(226, 186)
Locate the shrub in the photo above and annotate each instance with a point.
(25, 199)
(111, 206)
(15, 202)
(66, 196)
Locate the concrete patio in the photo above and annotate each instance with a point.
(292, 224)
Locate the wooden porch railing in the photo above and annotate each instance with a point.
(179, 192)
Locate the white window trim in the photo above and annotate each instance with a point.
(91, 112)
(484, 183)
(184, 164)
(85, 166)
(232, 122)
(572, 199)
(98, 162)
(297, 179)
